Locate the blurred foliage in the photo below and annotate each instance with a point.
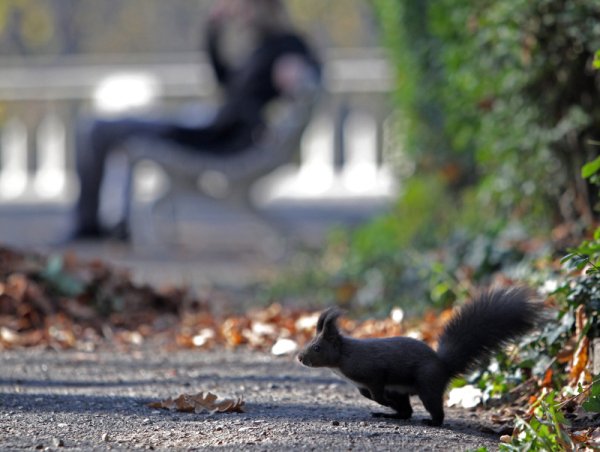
(498, 111)
(545, 431)
(397, 261)
(564, 396)
(58, 278)
(559, 357)
(55, 27)
(575, 291)
(26, 23)
(502, 93)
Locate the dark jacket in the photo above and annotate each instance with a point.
(247, 90)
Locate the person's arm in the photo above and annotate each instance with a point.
(222, 12)
(220, 67)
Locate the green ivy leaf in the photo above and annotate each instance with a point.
(596, 62)
(575, 261)
(592, 404)
(61, 281)
(590, 168)
(567, 258)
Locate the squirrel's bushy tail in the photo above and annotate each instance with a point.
(485, 324)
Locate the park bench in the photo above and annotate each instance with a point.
(229, 178)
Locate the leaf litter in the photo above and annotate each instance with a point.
(62, 302)
(200, 403)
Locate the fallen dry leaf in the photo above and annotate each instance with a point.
(53, 300)
(284, 347)
(580, 361)
(200, 403)
(506, 439)
(547, 380)
(580, 436)
(565, 355)
(503, 418)
(595, 437)
(580, 319)
(233, 329)
(578, 372)
(467, 396)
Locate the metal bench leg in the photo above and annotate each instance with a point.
(280, 243)
(146, 230)
(165, 206)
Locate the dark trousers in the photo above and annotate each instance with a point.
(95, 141)
(224, 134)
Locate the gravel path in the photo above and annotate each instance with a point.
(76, 400)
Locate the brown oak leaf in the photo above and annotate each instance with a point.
(200, 403)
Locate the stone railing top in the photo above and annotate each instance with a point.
(180, 75)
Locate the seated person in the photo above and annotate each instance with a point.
(280, 59)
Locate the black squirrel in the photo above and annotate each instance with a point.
(389, 370)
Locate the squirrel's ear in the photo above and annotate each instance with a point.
(322, 318)
(325, 315)
(330, 317)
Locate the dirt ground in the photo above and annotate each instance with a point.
(96, 400)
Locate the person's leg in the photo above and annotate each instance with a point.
(94, 142)
(229, 130)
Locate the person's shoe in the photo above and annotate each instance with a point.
(83, 234)
(120, 232)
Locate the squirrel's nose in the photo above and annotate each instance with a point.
(300, 357)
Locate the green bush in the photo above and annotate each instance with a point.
(498, 110)
(502, 93)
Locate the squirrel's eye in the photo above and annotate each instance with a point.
(316, 348)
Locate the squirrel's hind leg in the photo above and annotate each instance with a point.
(433, 403)
(399, 402)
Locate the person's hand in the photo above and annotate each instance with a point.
(291, 73)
